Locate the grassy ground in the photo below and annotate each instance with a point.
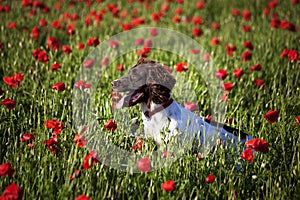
(42, 175)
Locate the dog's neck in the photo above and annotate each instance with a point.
(155, 108)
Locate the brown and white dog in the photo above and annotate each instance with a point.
(150, 84)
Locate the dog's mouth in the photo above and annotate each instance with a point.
(130, 99)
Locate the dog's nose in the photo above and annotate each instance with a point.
(115, 83)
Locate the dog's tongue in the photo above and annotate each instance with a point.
(120, 103)
(128, 100)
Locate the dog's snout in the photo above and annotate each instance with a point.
(115, 83)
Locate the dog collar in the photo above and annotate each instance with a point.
(149, 114)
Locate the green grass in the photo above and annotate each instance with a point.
(275, 175)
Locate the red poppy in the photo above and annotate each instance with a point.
(82, 197)
(176, 19)
(199, 156)
(12, 25)
(197, 20)
(195, 51)
(89, 160)
(143, 52)
(248, 44)
(266, 12)
(248, 155)
(144, 164)
(74, 17)
(137, 21)
(284, 53)
(206, 57)
(52, 145)
(87, 21)
(227, 86)
(287, 25)
(235, 12)
(181, 66)
(53, 44)
(19, 77)
(26, 3)
(246, 28)
(79, 140)
(76, 174)
(1, 45)
(28, 138)
(14, 81)
(6, 169)
(88, 63)
(60, 86)
(197, 32)
(256, 67)
(93, 42)
(139, 41)
(168, 185)
(113, 44)
(56, 24)
(210, 179)
(293, 55)
(221, 74)
(224, 97)
(80, 46)
(110, 125)
(66, 49)
(70, 30)
(238, 73)
(179, 11)
(165, 7)
(55, 66)
(208, 118)
(258, 145)
(294, 2)
(43, 57)
(8, 103)
(56, 125)
(12, 192)
(275, 23)
(138, 144)
(105, 62)
(42, 22)
(297, 120)
(273, 4)
(153, 31)
(246, 15)
(82, 85)
(191, 106)
(148, 43)
(246, 55)
(35, 33)
(214, 41)
(167, 154)
(199, 5)
(259, 82)
(230, 48)
(120, 67)
(126, 27)
(215, 26)
(271, 116)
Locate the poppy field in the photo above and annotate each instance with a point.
(255, 46)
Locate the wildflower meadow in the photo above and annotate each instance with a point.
(46, 44)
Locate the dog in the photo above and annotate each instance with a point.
(149, 83)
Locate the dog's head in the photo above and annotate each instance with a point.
(148, 81)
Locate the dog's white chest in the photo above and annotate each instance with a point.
(157, 124)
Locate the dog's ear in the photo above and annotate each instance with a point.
(159, 75)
